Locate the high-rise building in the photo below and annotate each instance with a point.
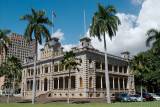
(19, 48)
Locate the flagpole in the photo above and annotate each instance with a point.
(52, 21)
(84, 22)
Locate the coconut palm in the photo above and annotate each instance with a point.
(4, 41)
(71, 63)
(105, 22)
(154, 38)
(36, 30)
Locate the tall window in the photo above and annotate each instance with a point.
(103, 66)
(45, 84)
(109, 67)
(73, 82)
(98, 65)
(81, 82)
(120, 69)
(61, 83)
(61, 67)
(55, 83)
(125, 69)
(56, 68)
(46, 69)
(115, 68)
(90, 82)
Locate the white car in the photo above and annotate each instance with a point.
(136, 98)
(156, 97)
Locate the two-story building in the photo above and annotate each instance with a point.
(89, 82)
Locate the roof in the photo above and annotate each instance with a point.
(85, 38)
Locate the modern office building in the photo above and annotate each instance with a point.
(19, 48)
(88, 82)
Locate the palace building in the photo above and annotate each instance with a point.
(88, 82)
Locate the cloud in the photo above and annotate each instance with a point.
(68, 47)
(131, 34)
(59, 34)
(137, 2)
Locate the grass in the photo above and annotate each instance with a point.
(134, 104)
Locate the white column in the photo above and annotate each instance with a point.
(118, 84)
(101, 66)
(39, 84)
(58, 82)
(112, 68)
(42, 85)
(123, 69)
(101, 82)
(123, 85)
(113, 84)
(52, 83)
(58, 66)
(117, 68)
(63, 83)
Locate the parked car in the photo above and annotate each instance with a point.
(147, 96)
(123, 97)
(156, 97)
(136, 97)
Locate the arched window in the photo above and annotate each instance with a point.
(90, 82)
(81, 82)
(45, 84)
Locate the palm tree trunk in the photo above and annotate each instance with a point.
(34, 75)
(106, 73)
(69, 84)
(14, 84)
(8, 95)
(141, 92)
(9, 90)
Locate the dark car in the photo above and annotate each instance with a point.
(123, 97)
(147, 96)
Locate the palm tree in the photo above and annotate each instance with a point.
(4, 41)
(36, 30)
(154, 38)
(139, 67)
(71, 63)
(105, 21)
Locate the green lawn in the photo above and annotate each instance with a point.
(134, 104)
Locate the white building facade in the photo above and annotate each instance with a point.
(89, 82)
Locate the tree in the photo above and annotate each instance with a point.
(36, 30)
(15, 67)
(71, 63)
(154, 38)
(105, 21)
(4, 41)
(11, 69)
(139, 68)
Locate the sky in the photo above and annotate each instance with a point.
(137, 16)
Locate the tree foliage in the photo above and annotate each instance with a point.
(4, 40)
(37, 27)
(11, 70)
(146, 67)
